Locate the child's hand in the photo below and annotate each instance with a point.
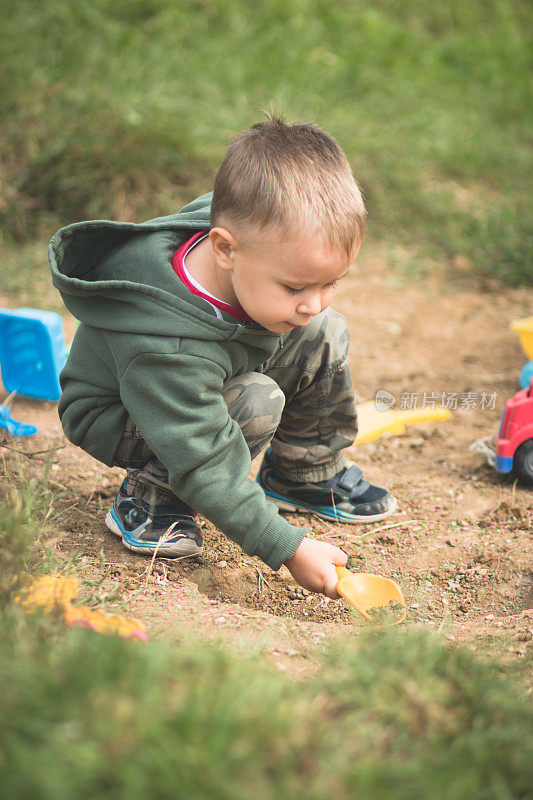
(313, 566)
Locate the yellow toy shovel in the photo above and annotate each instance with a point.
(365, 591)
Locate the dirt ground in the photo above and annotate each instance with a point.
(463, 551)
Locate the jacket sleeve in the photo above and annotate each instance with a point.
(176, 402)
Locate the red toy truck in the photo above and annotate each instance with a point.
(514, 447)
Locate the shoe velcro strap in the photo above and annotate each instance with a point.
(350, 479)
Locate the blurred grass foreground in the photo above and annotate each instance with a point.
(396, 714)
(122, 110)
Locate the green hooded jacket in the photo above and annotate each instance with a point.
(148, 347)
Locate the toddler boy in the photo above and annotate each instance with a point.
(206, 335)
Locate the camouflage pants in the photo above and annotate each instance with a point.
(302, 403)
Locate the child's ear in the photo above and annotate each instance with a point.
(223, 244)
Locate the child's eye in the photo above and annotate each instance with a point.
(292, 290)
(331, 285)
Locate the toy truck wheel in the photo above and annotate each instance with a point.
(523, 462)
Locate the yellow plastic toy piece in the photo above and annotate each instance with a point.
(55, 593)
(365, 591)
(49, 592)
(373, 423)
(524, 329)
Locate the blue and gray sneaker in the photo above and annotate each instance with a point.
(141, 527)
(346, 497)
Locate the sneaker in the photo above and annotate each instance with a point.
(141, 527)
(346, 497)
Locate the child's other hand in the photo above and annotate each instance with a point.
(313, 566)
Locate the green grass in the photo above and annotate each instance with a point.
(84, 715)
(123, 109)
(397, 714)
(25, 507)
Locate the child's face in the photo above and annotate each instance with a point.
(283, 282)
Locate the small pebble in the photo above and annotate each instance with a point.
(220, 620)
(222, 564)
(415, 605)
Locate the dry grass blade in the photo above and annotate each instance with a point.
(387, 527)
(334, 506)
(163, 540)
(261, 581)
(32, 454)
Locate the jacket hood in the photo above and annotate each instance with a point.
(118, 276)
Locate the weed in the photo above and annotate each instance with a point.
(24, 509)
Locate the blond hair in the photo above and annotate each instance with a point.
(294, 176)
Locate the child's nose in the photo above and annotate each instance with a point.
(312, 304)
